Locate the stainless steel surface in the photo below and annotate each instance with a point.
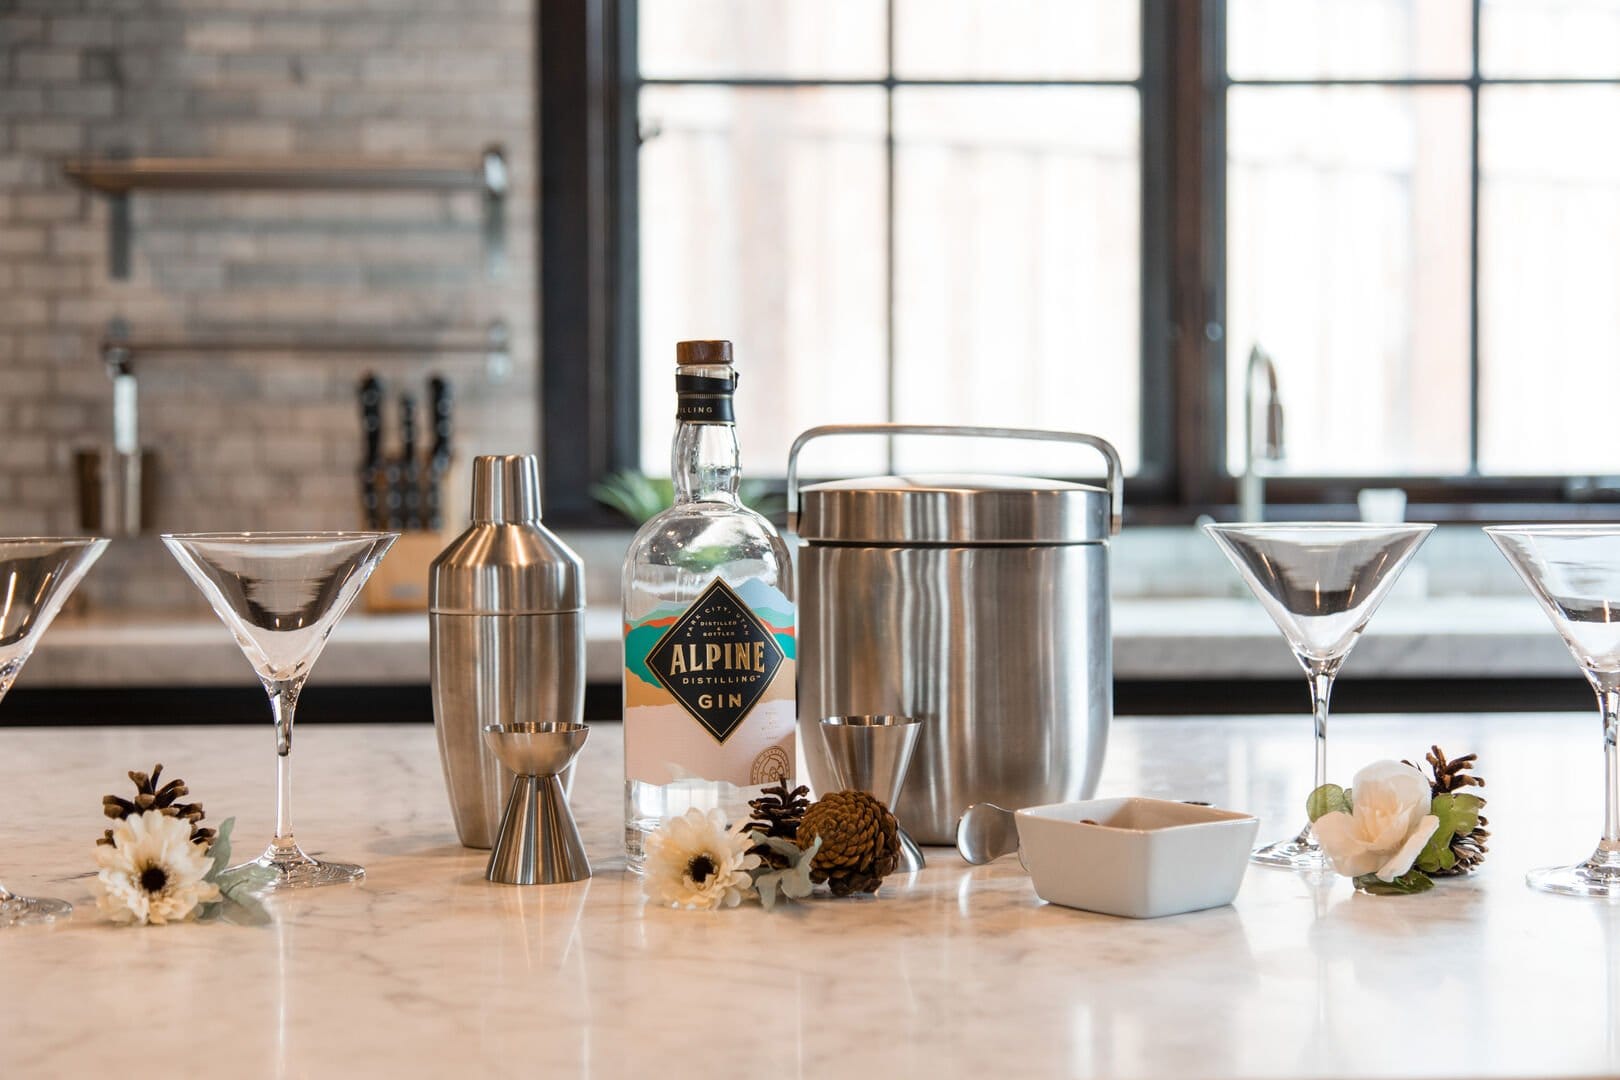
(1002, 649)
(953, 509)
(507, 562)
(117, 492)
(506, 637)
(538, 843)
(871, 754)
(986, 832)
(947, 529)
(1263, 441)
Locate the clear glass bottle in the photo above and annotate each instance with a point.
(709, 684)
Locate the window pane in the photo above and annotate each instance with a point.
(1549, 37)
(762, 38)
(1313, 39)
(1017, 267)
(1017, 39)
(1347, 260)
(762, 221)
(1549, 325)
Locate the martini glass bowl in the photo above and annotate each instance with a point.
(37, 575)
(1320, 582)
(1573, 571)
(281, 594)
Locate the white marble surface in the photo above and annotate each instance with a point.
(1154, 638)
(425, 970)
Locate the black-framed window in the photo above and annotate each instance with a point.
(1220, 152)
(1419, 227)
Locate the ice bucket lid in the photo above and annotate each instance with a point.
(953, 509)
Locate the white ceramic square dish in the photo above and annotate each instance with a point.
(1142, 858)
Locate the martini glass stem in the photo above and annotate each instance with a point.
(1321, 691)
(1609, 702)
(283, 701)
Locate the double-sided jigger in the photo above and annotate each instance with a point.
(538, 843)
(871, 754)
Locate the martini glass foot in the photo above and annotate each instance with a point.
(1300, 853)
(26, 911)
(295, 870)
(1598, 876)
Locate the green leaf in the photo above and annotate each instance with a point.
(1327, 799)
(220, 850)
(1459, 816)
(246, 910)
(793, 880)
(1407, 884)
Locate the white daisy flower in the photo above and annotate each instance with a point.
(152, 872)
(694, 861)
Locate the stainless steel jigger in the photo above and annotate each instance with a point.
(538, 842)
(871, 754)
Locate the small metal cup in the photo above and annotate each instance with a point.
(538, 843)
(871, 754)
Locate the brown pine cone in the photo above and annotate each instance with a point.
(148, 796)
(860, 843)
(1449, 776)
(777, 812)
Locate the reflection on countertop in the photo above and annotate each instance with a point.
(424, 969)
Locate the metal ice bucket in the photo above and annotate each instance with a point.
(979, 603)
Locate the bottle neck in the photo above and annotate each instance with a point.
(703, 458)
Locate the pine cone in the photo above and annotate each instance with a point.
(777, 812)
(1451, 776)
(148, 796)
(860, 845)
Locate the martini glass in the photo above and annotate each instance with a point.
(37, 574)
(1573, 571)
(1320, 582)
(281, 594)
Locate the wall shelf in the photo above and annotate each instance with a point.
(492, 345)
(117, 178)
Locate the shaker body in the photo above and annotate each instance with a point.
(498, 669)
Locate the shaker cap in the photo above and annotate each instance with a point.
(692, 353)
(507, 562)
(506, 489)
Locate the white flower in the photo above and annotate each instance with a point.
(152, 872)
(1388, 826)
(694, 861)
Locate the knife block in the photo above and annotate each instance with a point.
(400, 582)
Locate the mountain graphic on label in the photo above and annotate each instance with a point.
(717, 660)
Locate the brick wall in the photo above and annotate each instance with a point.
(249, 440)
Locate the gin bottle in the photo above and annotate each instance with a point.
(709, 686)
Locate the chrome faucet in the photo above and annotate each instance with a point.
(1262, 440)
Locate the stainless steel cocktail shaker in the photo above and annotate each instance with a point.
(506, 605)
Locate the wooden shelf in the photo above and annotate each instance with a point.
(118, 177)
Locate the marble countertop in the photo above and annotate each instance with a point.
(426, 970)
(1154, 638)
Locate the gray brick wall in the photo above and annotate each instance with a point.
(249, 441)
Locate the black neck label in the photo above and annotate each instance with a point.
(700, 399)
(717, 660)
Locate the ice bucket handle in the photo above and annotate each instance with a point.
(1116, 484)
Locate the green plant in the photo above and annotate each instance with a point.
(638, 496)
